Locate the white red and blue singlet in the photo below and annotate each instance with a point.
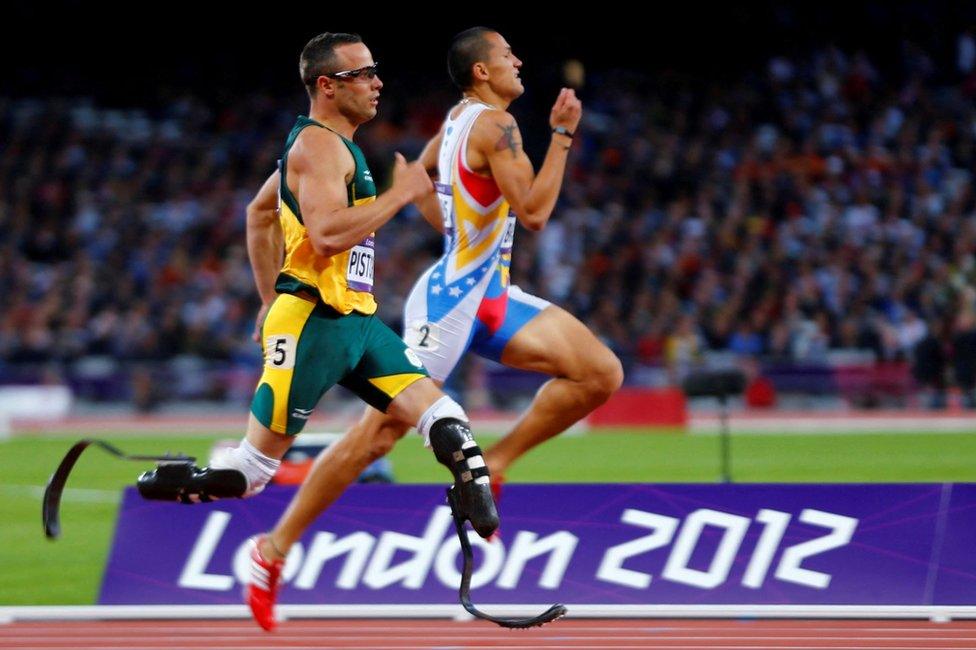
(466, 299)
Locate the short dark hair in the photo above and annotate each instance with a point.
(467, 48)
(319, 58)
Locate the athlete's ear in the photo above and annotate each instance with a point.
(326, 86)
(480, 71)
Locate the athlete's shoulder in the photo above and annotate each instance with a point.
(318, 145)
(492, 123)
(496, 130)
(315, 138)
(496, 115)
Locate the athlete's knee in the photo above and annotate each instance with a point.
(604, 376)
(239, 472)
(444, 409)
(445, 429)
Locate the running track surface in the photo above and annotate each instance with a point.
(476, 635)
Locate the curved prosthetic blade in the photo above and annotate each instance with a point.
(51, 505)
(548, 616)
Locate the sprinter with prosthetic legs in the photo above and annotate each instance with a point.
(317, 325)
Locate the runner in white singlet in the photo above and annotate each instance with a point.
(466, 300)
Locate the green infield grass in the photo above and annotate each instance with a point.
(37, 571)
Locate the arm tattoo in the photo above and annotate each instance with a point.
(508, 139)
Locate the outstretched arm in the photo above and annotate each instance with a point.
(497, 138)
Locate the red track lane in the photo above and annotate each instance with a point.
(590, 634)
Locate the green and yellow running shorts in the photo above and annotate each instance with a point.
(309, 347)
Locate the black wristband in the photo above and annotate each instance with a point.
(562, 130)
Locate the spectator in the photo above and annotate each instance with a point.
(824, 203)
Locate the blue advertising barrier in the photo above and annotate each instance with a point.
(762, 544)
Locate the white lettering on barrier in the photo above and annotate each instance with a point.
(676, 567)
(325, 547)
(370, 560)
(412, 572)
(194, 574)
(734, 528)
(528, 545)
(842, 529)
(611, 568)
(775, 523)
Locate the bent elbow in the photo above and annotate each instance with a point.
(324, 246)
(534, 222)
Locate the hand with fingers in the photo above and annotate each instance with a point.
(410, 179)
(566, 112)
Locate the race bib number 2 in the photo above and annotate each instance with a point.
(421, 335)
(359, 274)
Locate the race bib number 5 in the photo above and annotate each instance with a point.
(279, 351)
(359, 274)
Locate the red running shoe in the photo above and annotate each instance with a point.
(261, 590)
(496, 488)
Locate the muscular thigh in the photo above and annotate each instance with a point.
(387, 366)
(537, 335)
(500, 319)
(437, 326)
(306, 351)
(555, 343)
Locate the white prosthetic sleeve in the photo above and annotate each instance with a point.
(249, 461)
(443, 408)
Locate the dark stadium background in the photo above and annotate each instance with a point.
(225, 56)
(128, 55)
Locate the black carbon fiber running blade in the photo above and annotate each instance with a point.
(548, 616)
(51, 504)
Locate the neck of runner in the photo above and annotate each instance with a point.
(468, 99)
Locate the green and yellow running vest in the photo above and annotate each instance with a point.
(343, 281)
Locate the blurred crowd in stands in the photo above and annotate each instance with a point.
(821, 208)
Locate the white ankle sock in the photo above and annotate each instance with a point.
(247, 459)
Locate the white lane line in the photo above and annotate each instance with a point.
(288, 630)
(69, 494)
(543, 643)
(292, 638)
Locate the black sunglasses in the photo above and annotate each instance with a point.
(367, 72)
